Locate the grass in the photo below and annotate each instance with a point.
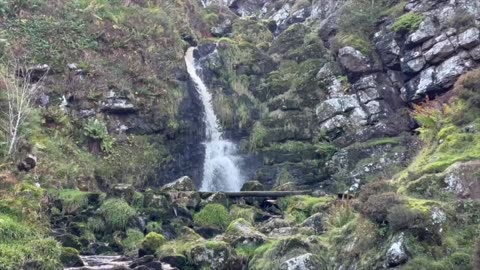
(132, 242)
(215, 215)
(247, 213)
(408, 22)
(73, 200)
(298, 208)
(116, 213)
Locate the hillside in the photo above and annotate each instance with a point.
(128, 123)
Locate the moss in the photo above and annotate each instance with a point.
(70, 257)
(73, 200)
(132, 242)
(408, 22)
(421, 205)
(116, 213)
(247, 213)
(213, 215)
(355, 41)
(257, 137)
(298, 208)
(395, 10)
(154, 227)
(152, 242)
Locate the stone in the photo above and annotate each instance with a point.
(306, 261)
(27, 163)
(124, 191)
(219, 198)
(273, 224)
(241, 232)
(118, 106)
(439, 52)
(353, 61)
(335, 106)
(70, 257)
(388, 48)
(448, 72)
(252, 186)
(222, 29)
(469, 39)
(150, 244)
(462, 179)
(425, 31)
(215, 255)
(397, 254)
(142, 261)
(316, 222)
(475, 53)
(184, 183)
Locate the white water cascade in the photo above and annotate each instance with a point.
(220, 167)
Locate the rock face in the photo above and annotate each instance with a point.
(353, 61)
(461, 179)
(215, 255)
(241, 232)
(306, 261)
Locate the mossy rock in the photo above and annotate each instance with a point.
(241, 231)
(214, 255)
(151, 243)
(215, 215)
(248, 213)
(70, 257)
(272, 255)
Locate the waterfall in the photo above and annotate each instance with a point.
(220, 167)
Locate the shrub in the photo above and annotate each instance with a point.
(154, 227)
(215, 215)
(408, 22)
(476, 254)
(96, 224)
(377, 206)
(467, 90)
(374, 188)
(116, 213)
(401, 217)
(132, 242)
(340, 215)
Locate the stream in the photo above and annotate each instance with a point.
(98, 262)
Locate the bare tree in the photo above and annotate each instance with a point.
(20, 86)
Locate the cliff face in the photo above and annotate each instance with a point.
(378, 98)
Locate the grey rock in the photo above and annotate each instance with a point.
(353, 61)
(118, 106)
(470, 38)
(450, 70)
(462, 179)
(184, 183)
(440, 51)
(241, 232)
(252, 186)
(388, 48)
(475, 53)
(306, 261)
(397, 254)
(316, 222)
(425, 31)
(335, 106)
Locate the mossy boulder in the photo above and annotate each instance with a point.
(215, 215)
(252, 186)
(151, 243)
(184, 183)
(241, 232)
(70, 257)
(248, 213)
(214, 255)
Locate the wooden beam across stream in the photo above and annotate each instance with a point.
(270, 194)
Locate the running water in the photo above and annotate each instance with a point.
(220, 170)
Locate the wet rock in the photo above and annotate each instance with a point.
(306, 261)
(252, 186)
(208, 232)
(353, 61)
(273, 224)
(397, 253)
(142, 261)
(184, 183)
(241, 232)
(70, 257)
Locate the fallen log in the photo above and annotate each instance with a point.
(273, 194)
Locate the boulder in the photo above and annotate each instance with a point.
(241, 232)
(448, 72)
(70, 257)
(215, 255)
(388, 48)
(469, 39)
(184, 183)
(124, 191)
(252, 186)
(397, 253)
(335, 106)
(439, 52)
(306, 261)
(353, 61)
(462, 179)
(150, 244)
(316, 222)
(117, 105)
(425, 31)
(475, 53)
(219, 198)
